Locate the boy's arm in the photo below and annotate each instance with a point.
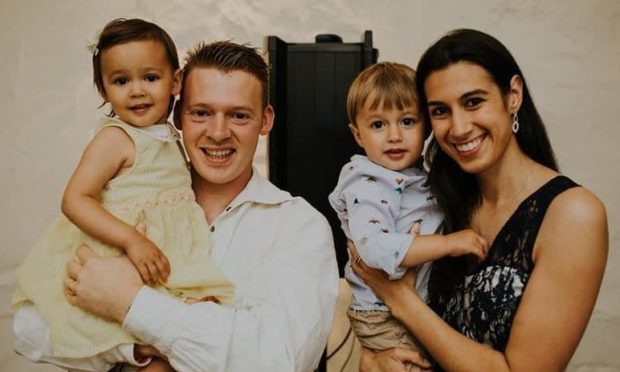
(426, 248)
(105, 156)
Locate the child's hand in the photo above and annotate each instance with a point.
(193, 300)
(465, 242)
(151, 263)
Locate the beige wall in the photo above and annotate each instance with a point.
(568, 50)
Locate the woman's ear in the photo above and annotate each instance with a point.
(515, 94)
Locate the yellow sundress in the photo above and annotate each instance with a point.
(157, 191)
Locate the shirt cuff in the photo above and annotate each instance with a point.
(386, 252)
(127, 352)
(149, 313)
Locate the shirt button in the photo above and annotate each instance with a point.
(227, 209)
(212, 228)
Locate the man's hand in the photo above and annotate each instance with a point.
(392, 360)
(103, 286)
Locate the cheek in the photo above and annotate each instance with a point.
(439, 128)
(190, 134)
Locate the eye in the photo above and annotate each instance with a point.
(151, 78)
(408, 122)
(377, 124)
(239, 116)
(120, 81)
(473, 102)
(199, 115)
(438, 112)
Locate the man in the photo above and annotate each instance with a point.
(276, 249)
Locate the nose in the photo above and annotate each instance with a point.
(394, 133)
(461, 124)
(219, 129)
(136, 88)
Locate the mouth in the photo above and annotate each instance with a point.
(469, 147)
(395, 154)
(218, 155)
(140, 108)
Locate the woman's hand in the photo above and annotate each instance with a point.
(390, 291)
(391, 360)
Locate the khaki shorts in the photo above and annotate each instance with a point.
(379, 330)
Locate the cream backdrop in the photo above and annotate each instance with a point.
(569, 52)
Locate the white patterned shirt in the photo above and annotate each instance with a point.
(377, 207)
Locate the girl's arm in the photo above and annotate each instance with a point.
(569, 256)
(107, 155)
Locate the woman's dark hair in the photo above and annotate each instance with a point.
(121, 31)
(456, 191)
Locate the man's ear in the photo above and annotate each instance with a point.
(268, 117)
(177, 79)
(176, 115)
(356, 134)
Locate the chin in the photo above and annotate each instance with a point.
(475, 167)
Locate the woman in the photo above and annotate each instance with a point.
(526, 306)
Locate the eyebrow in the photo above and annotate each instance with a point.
(116, 72)
(475, 92)
(195, 105)
(123, 71)
(466, 95)
(241, 108)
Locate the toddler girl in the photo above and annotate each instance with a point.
(133, 172)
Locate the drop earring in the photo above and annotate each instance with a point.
(515, 122)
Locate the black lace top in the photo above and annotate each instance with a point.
(483, 302)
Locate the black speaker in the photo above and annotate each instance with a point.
(311, 141)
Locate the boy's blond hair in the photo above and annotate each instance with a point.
(387, 84)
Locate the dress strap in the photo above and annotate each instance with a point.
(539, 201)
(515, 243)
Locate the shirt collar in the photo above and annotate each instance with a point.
(261, 191)
(164, 132)
(412, 176)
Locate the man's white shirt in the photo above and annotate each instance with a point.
(279, 253)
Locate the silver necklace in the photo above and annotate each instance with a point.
(527, 181)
